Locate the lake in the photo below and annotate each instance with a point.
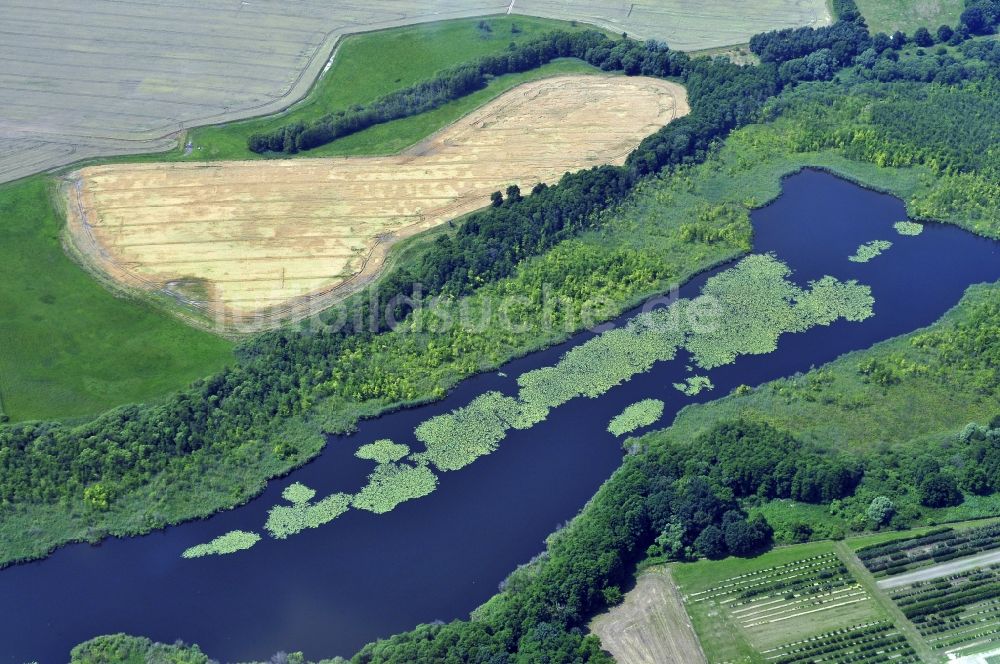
(330, 590)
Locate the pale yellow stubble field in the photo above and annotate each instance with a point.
(257, 242)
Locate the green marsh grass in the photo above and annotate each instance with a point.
(757, 303)
(908, 228)
(456, 439)
(284, 520)
(754, 303)
(694, 385)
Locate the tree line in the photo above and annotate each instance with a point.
(448, 85)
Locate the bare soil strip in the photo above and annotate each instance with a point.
(255, 243)
(651, 626)
(941, 569)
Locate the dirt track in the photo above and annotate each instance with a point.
(941, 569)
(651, 626)
(254, 243)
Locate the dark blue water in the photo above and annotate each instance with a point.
(330, 590)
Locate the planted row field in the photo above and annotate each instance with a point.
(877, 641)
(958, 614)
(252, 243)
(937, 546)
(770, 606)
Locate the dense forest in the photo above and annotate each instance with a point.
(674, 499)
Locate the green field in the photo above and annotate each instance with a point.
(907, 15)
(743, 607)
(68, 347)
(731, 601)
(370, 65)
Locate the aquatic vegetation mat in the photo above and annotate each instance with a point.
(756, 303)
(285, 520)
(597, 365)
(456, 439)
(231, 542)
(382, 451)
(741, 311)
(870, 250)
(908, 228)
(695, 385)
(392, 484)
(638, 415)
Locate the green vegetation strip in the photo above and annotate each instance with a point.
(283, 520)
(741, 311)
(870, 250)
(382, 451)
(908, 228)
(636, 416)
(369, 66)
(237, 540)
(392, 484)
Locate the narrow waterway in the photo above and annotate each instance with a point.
(328, 591)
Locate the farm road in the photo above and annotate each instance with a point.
(868, 582)
(941, 569)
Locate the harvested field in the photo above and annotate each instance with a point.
(251, 244)
(124, 78)
(651, 626)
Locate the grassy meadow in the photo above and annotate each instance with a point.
(68, 347)
(907, 15)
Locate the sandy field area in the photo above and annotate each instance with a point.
(651, 626)
(255, 243)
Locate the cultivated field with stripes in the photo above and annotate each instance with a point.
(256, 243)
